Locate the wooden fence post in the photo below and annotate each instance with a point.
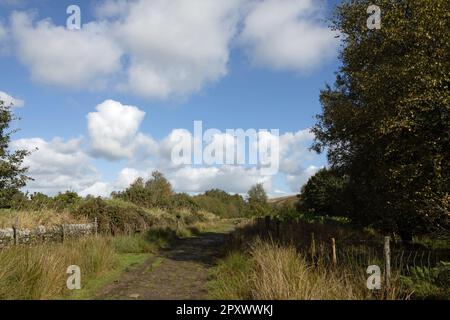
(15, 235)
(387, 265)
(16, 231)
(63, 232)
(333, 250)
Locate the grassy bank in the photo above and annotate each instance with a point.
(39, 272)
(260, 266)
(268, 271)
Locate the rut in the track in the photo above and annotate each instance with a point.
(179, 272)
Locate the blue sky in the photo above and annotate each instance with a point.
(258, 75)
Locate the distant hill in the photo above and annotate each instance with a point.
(288, 200)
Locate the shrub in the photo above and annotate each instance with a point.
(184, 201)
(115, 217)
(221, 203)
(323, 194)
(429, 283)
(66, 201)
(155, 192)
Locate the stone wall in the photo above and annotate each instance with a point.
(41, 234)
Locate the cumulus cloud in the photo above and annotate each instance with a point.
(296, 181)
(83, 58)
(125, 177)
(111, 8)
(113, 130)
(3, 32)
(11, 101)
(171, 47)
(4, 39)
(57, 165)
(158, 49)
(175, 47)
(233, 179)
(295, 163)
(287, 35)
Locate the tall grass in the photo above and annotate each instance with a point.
(32, 219)
(269, 271)
(40, 272)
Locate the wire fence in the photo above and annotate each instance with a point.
(330, 244)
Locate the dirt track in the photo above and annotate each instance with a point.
(179, 272)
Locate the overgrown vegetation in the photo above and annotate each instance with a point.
(12, 173)
(268, 271)
(386, 122)
(280, 263)
(39, 272)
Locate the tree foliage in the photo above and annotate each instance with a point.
(257, 201)
(324, 194)
(221, 203)
(386, 121)
(155, 192)
(12, 173)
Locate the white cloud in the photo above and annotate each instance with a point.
(113, 130)
(158, 49)
(60, 165)
(287, 35)
(69, 58)
(124, 178)
(4, 40)
(3, 33)
(294, 150)
(296, 181)
(57, 165)
(172, 47)
(111, 8)
(176, 47)
(10, 101)
(232, 179)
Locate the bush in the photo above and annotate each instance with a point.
(429, 283)
(66, 201)
(324, 194)
(184, 201)
(156, 192)
(221, 203)
(115, 217)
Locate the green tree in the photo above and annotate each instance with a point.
(324, 194)
(12, 173)
(386, 122)
(155, 192)
(222, 203)
(257, 201)
(66, 201)
(159, 190)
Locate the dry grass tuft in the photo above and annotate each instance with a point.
(33, 219)
(270, 271)
(40, 272)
